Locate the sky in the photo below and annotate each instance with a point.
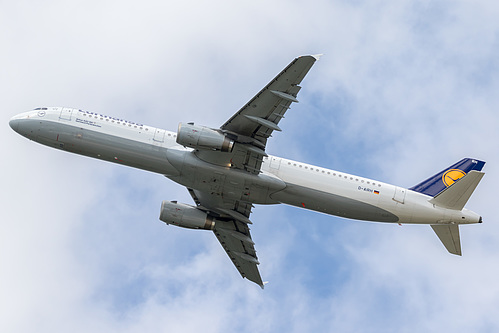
(404, 89)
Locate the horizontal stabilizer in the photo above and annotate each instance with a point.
(456, 195)
(449, 236)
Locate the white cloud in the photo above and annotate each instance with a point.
(403, 90)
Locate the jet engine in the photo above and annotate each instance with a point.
(185, 216)
(200, 137)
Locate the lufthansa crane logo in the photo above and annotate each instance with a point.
(451, 176)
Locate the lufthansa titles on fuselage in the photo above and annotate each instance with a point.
(89, 113)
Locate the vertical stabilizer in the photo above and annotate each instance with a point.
(449, 235)
(445, 178)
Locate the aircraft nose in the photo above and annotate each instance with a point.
(14, 123)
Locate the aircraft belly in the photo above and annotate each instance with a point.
(228, 183)
(332, 204)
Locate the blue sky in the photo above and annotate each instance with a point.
(404, 89)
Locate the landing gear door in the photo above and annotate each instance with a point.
(66, 114)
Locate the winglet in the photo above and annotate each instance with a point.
(317, 56)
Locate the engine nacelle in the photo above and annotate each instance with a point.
(185, 216)
(200, 137)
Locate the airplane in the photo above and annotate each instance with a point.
(227, 171)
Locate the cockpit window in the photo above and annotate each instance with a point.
(40, 109)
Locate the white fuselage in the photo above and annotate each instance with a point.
(280, 181)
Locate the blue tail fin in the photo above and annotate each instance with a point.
(445, 178)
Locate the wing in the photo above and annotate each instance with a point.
(254, 123)
(235, 238)
(232, 231)
(261, 115)
(249, 128)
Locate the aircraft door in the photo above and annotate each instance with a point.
(399, 194)
(66, 114)
(159, 135)
(275, 162)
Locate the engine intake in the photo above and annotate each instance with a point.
(200, 137)
(185, 216)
